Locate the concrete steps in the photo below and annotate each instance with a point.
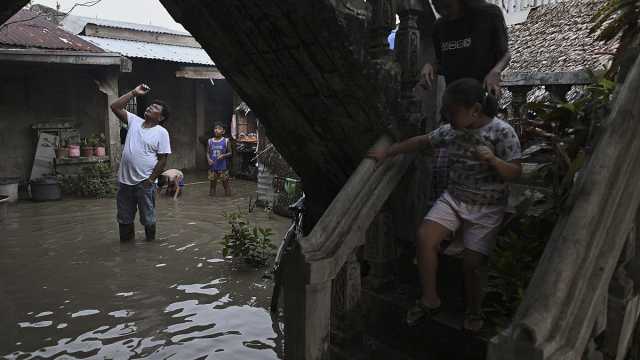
(388, 337)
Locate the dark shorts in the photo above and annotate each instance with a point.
(130, 198)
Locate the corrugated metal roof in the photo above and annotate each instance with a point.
(144, 50)
(27, 29)
(76, 25)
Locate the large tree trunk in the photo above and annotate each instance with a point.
(10, 7)
(295, 64)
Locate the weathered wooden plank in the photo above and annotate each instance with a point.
(144, 36)
(560, 307)
(199, 72)
(66, 57)
(108, 85)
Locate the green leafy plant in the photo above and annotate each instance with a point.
(571, 130)
(94, 181)
(249, 242)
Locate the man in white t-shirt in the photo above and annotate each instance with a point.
(144, 157)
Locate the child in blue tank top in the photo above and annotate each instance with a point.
(218, 154)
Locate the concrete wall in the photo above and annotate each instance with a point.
(34, 93)
(185, 128)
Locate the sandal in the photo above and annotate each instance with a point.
(473, 322)
(419, 311)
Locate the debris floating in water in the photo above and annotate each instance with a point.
(35, 325)
(85, 313)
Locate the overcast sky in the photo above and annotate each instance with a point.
(138, 11)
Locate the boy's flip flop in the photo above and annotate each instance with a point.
(419, 311)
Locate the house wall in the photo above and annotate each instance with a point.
(35, 93)
(181, 95)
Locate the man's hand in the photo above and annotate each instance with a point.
(220, 158)
(492, 83)
(485, 154)
(428, 75)
(147, 184)
(140, 90)
(210, 162)
(378, 155)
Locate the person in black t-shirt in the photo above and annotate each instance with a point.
(470, 40)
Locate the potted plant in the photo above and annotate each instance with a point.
(74, 149)
(87, 146)
(62, 151)
(100, 142)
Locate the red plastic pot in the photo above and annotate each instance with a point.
(100, 151)
(74, 151)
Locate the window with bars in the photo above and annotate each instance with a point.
(132, 106)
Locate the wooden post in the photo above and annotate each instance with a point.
(382, 22)
(201, 125)
(408, 56)
(519, 100)
(108, 85)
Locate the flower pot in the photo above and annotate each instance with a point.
(62, 152)
(74, 151)
(100, 151)
(87, 151)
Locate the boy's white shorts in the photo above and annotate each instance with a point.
(479, 223)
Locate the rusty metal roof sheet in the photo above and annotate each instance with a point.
(557, 38)
(27, 29)
(145, 50)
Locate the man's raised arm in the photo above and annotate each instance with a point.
(118, 106)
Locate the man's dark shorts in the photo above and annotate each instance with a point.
(130, 198)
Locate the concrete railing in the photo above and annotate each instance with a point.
(329, 247)
(574, 296)
(511, 6)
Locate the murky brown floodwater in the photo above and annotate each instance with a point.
(69, 289)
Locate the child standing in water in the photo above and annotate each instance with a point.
(218, 153)
(484, 154)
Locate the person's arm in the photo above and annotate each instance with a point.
(209, 160)
(157, 170)
(507, 160)
(410, 145)
(430, 70)
(118, 106)
(508, 170)
(178, 189)
(500, 35)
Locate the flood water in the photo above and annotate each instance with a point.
(69, 289)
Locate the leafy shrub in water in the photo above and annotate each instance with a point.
(94, 181)
(249, 242)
